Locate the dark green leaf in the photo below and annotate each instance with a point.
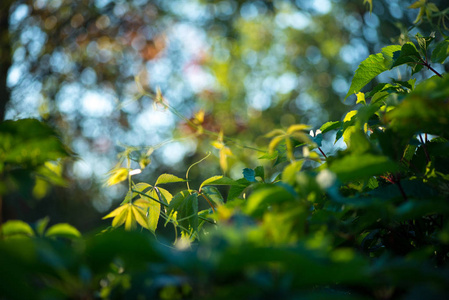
(363, 166)
(441, 52)
(249, 175)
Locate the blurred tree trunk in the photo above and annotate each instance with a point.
(5, 55)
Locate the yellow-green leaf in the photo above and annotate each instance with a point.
(63, 230)
(274, 133)
(140, 216)
(360, 98)
(297, 127)
(121, 217)
(168, 178)
(274, 142)
(16, 228)
(130, 222)
(115, 212)
(117, 176)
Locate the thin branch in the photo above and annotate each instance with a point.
(322, 152)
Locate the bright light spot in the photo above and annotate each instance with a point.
(174, 153)
(321, 6)
(135, 172)
(287, 82)
(94, 104)
(14, 75)
(19, 14)
(152, 120)
(297, 20)
(259, 101)
(82, 169)
(326, 179)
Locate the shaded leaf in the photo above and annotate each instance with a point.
(362, 166)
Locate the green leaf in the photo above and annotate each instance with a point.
(218, 180)
(441, 52)
(236, 190)
(424, 41)
(423, 110)
(260, 199)
(371, 67)
(259, 172)
(63, 230)
(41, 225)
(30, 143)
(249, 174)
(213, 194)
(168, 178)
(269, 156)
(289, 172)
(407, 55)
(363, 166)
(186, 207)
(328, 126)
(15, 228)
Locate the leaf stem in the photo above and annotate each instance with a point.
(427, 65)
(322, 152)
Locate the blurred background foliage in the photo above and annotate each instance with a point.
(91, 69)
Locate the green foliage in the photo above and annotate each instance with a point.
(366, 222)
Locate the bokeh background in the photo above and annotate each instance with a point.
(91, 69)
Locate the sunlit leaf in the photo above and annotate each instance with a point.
(371, 67)
(63, 230)
(117, 176)
(14, 228)
(218, 180)
(328, 126)
(297, 127)
(168, 178)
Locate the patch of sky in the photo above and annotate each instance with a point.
(18, 15)
(190, 10)
(34, 39)
(371, 20)
(287, 82)
(173, 153)
(88, 76)
(150, 120)
(340, 85)
(258, 100)
(15, 74)
(353, 24)
(199, 79)
(354, 52)
(250, 10)
(250, 58)
(96, 103)
(297, 20)
(102, 3)
(370, 34)
(67, 97)
(225, 9)
(395, 10)
(316, 6)
(322, 6)
(313, 54)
